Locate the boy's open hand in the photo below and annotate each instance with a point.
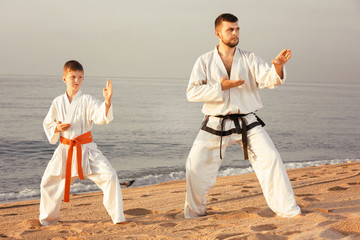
(107, 92)
(60, 127)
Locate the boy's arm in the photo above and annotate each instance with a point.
(50, 125)
(107, 92)
(101, 112)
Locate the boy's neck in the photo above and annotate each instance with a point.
(71, 94)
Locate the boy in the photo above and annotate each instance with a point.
(70, 119)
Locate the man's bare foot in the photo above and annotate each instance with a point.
(122, 223)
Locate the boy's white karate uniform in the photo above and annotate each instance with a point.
(204, 158)
(82, 112)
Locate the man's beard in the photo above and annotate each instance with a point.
(231, 44)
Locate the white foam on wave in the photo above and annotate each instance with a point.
(26, 193)
(83, 186)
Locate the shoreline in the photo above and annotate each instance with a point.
(81, 187)
(328, 196)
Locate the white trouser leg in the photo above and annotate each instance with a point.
(112, 200)
(271, 174)
(202, 165)
(52, 193)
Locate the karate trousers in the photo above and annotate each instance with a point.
(52, 193)
(204, 162)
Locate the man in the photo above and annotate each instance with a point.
(227, 80)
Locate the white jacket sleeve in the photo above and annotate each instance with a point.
(200, 89)
(98, 112)
(50, 123)
(265, 76)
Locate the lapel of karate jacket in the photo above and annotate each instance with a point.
(70, 110)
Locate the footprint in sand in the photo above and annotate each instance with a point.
(31, 224)
(222, 236)
(234, 216)
(177, 191)
(310, 199)
(10, 214)
(265, 227)
(250, 209)
(291, 233)
(175, 214)
(248, 187)
(304, 195)
(325, 223)
(314, 176)
(244, 190)
(167, 225)
(324, 210)
(215, 194)
(138, 212)
(337, 188)
(145, 195)
(266, 236)
(83, 204)
(353, 183)
(266, 213)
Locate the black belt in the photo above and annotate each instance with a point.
(235, 118)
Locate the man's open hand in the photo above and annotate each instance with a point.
(227, 84)
(282, 58)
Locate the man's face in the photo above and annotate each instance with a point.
(228, 33)
(73, 80)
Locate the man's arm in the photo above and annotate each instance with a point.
(201, 89)
(280, 61)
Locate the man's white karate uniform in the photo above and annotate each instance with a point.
(204, 159)
(82, 112)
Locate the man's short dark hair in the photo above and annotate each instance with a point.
(227, 17)
(73, 65)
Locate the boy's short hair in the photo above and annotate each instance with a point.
(73, 65)
(225, 17)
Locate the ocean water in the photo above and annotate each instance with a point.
(154, 127)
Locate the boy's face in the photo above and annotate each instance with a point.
(73, 80)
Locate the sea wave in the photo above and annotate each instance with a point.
(149, 177)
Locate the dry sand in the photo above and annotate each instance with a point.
(328, 195)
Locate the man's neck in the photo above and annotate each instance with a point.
(225, 50)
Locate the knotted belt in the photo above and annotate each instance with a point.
(76, 142)
(243, 131)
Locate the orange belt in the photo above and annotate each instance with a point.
(82, 139)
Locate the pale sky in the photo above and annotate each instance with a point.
(163, 38)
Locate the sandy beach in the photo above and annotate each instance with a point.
(329, 196)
